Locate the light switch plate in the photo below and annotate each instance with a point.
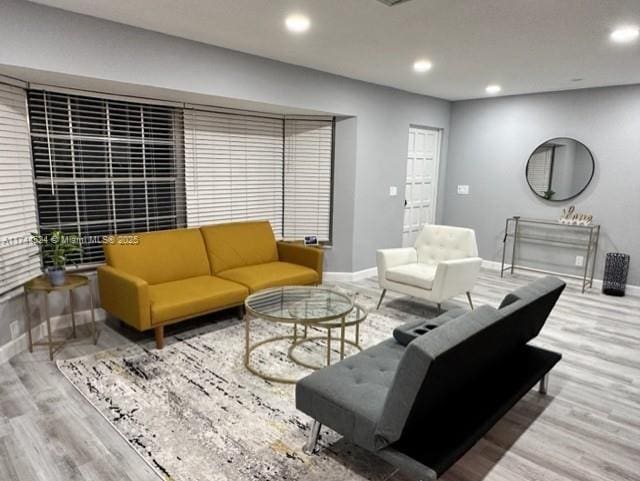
(463, 190)
(393, 191)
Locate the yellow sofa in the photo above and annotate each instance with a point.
(170, 276)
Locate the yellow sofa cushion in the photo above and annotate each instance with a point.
(239, 244)
(190, 297)
(272, 274)
(161, 256)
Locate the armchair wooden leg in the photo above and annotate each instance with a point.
(159, 334)
(469, 299)
(439, 308)
(384, 291)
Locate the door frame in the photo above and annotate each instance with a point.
(436, 174)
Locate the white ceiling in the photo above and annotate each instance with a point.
(524, 45)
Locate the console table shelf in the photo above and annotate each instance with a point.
(588, 243)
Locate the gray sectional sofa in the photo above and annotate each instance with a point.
(424, 397)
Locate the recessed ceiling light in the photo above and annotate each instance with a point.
(297, 23)
(625, 34)
(493, 89)
(422, 66)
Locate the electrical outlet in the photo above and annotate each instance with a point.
(15, 329)
(393, 191)
(463, 190)
(579, 261)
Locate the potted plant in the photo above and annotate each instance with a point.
(55, 249)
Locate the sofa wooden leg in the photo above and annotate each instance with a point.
(469, 299)
(384, 291)
(241, 312)
(159, 333)
(312, 443)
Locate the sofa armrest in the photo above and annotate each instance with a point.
(389, 258)
(455, 277)
(125, 296)
(311, 257)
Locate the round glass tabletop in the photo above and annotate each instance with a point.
(299, 304)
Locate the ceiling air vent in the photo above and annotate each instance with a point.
(391, 3)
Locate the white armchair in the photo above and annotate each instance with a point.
(443, 263)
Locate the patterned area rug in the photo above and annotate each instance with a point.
(194, 413)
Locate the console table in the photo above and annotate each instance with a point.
(588, 243)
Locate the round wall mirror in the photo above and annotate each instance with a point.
(560, 169)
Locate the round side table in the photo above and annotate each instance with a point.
(42, 285)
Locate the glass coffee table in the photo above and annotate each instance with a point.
(307, 307)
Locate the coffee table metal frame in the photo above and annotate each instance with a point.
(342, 324)
(334, 321)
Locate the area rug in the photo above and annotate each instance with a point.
(194, 413)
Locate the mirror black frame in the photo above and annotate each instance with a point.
(593, 170)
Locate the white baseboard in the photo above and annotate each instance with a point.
(490, 265)
(350, 276)
(21, 343)
(597, 283)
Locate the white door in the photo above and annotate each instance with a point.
(422, 182)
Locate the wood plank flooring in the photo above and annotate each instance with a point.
(586, 429)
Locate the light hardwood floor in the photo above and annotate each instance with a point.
(587, 428)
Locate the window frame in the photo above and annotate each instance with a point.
(332, 120)
(109, 182)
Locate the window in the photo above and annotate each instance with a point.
(19, 260)
(242, 166)
(105, 167)
(308, 173)
(233, 168)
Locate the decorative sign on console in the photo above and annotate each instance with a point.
(571, 217)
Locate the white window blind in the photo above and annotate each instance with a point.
(539, 170)
(308, 170)
(19, 260)
(104, 167)
(233, 168)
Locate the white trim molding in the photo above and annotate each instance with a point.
(350, 276)
(21, 343)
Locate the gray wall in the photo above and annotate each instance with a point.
(490, 143)
(47, 39)
(371, 147)
(490, 139)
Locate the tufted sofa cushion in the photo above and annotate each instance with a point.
(349, 396)
(438, 243)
